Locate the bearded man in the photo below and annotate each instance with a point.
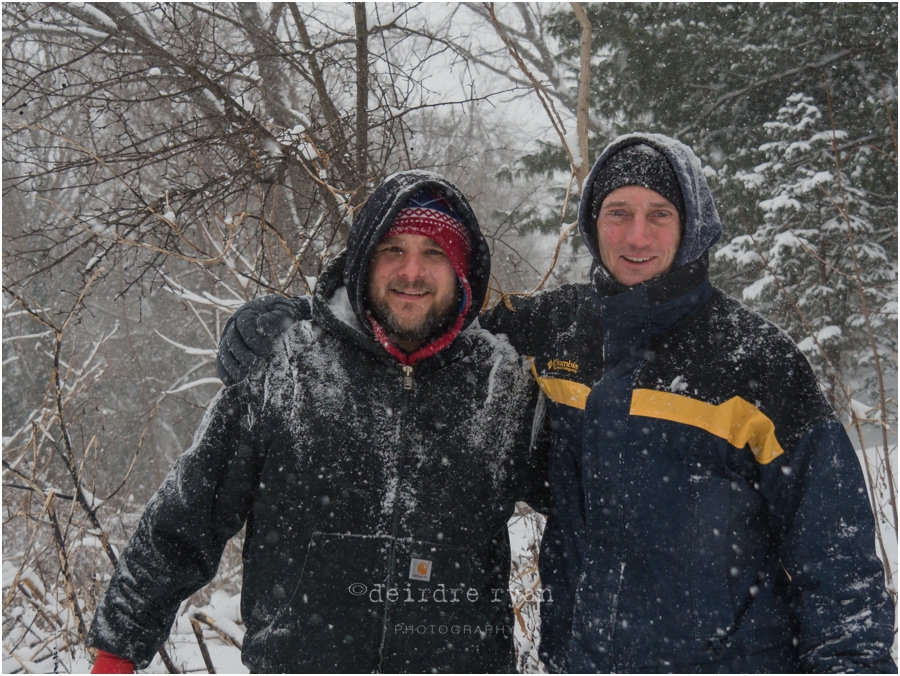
(375, 458)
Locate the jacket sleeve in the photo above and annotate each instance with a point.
(179, 540)
(251, 333)
(821, 516)
(533, 481)
(515, 317)
(560, 559)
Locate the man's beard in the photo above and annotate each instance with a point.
(435, 323)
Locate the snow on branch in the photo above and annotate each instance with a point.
(196, 383)
(187, 349)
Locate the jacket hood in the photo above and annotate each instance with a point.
(374, 218)
(702, 227)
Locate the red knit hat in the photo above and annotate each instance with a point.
(428, 214)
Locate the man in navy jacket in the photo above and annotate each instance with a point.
(711, 514)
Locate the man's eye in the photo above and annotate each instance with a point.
(435, 252)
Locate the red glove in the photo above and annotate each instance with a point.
(108, 663)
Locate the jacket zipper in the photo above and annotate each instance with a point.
(395, 528)
(407, 377)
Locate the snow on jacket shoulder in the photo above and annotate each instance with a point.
(376, 515)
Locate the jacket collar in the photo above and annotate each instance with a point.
(658, 290)
(631, 315)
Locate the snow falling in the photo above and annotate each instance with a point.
(166, 163)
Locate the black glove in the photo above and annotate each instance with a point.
(250, 333)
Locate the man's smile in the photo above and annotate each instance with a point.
(410, 293)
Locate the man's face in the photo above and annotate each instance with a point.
(412, 288)
(638, 232)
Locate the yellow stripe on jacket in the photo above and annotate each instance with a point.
(737, 421)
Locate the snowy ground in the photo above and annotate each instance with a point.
(184, 650)
(182, 646)
(874, 471)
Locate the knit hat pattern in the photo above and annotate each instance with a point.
(641, 165)
(440, 225)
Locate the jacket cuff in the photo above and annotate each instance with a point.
(107, 663)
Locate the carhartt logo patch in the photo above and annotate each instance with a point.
(562, 365)
(420, 569)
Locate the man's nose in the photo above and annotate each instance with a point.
(412, 265)
(639, 233)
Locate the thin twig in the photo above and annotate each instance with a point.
(584, 92)
(65, 570)
(14, 585)
(545, 100)
(876, 358)
(208, 621)
(198, 632)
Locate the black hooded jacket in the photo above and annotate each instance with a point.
(376, 513)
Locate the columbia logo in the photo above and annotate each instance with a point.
(562, 365)
(420, 569)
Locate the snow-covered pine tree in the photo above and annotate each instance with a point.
(825, 253)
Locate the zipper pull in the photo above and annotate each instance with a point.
(407, 377)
